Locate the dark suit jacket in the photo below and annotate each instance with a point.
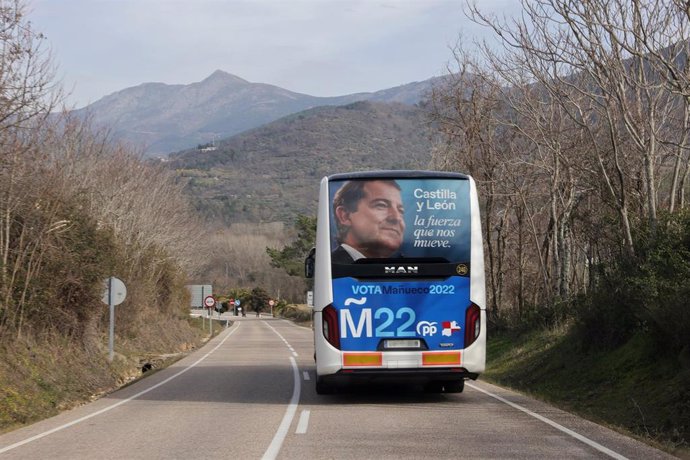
(341, 256)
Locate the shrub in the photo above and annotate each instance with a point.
(646, 292)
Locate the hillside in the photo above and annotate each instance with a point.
(554, 365)
(272, 172)
(159, 118)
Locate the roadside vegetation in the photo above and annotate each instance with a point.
(630, 388)
(576, 130)
(619, 354)
(76, 208)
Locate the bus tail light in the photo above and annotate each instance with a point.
(330, 326)
(472, 324)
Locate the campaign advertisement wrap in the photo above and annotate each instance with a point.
(400, 225)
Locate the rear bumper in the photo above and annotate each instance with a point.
(403, 376)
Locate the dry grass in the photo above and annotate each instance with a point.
(300, 314)
(41, 377)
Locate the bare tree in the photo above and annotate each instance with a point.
(602, 54)
(28, 91)
(236, 258)
(582, 108)
(27, 95)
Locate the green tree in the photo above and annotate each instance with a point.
(291, 257)
(243, 295)
(259, 299)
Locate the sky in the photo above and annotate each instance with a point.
(315, 47)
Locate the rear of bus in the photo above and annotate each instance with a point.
(414, 313)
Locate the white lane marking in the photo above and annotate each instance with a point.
(305, 374)
(292, 350)
(274, 447)
(565, 430)
(106, 409)
(303, 422)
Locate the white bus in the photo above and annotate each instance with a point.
(398, 272)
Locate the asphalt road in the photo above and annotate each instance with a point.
(249, 393)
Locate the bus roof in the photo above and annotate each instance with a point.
(397, 174)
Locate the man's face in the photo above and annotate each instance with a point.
(377, 226)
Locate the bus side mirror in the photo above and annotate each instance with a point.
(309, 264)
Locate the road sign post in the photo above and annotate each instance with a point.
(238, 310)
(115, 293)
(209, 303)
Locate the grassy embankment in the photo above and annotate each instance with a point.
(630, 388)
(298, 313)
(40, 379)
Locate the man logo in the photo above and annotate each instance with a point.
(407, 270)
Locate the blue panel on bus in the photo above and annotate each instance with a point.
(433, 311)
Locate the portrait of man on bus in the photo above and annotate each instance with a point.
(369, 217)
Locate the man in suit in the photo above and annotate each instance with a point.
(369, 216)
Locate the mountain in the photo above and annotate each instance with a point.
(411, 93)
(160, 118)
(271, 173)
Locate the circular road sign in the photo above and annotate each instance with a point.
(114, 291)
(237, 302)
(271, 302)
(209, 301)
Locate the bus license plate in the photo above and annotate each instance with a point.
(401, 344)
